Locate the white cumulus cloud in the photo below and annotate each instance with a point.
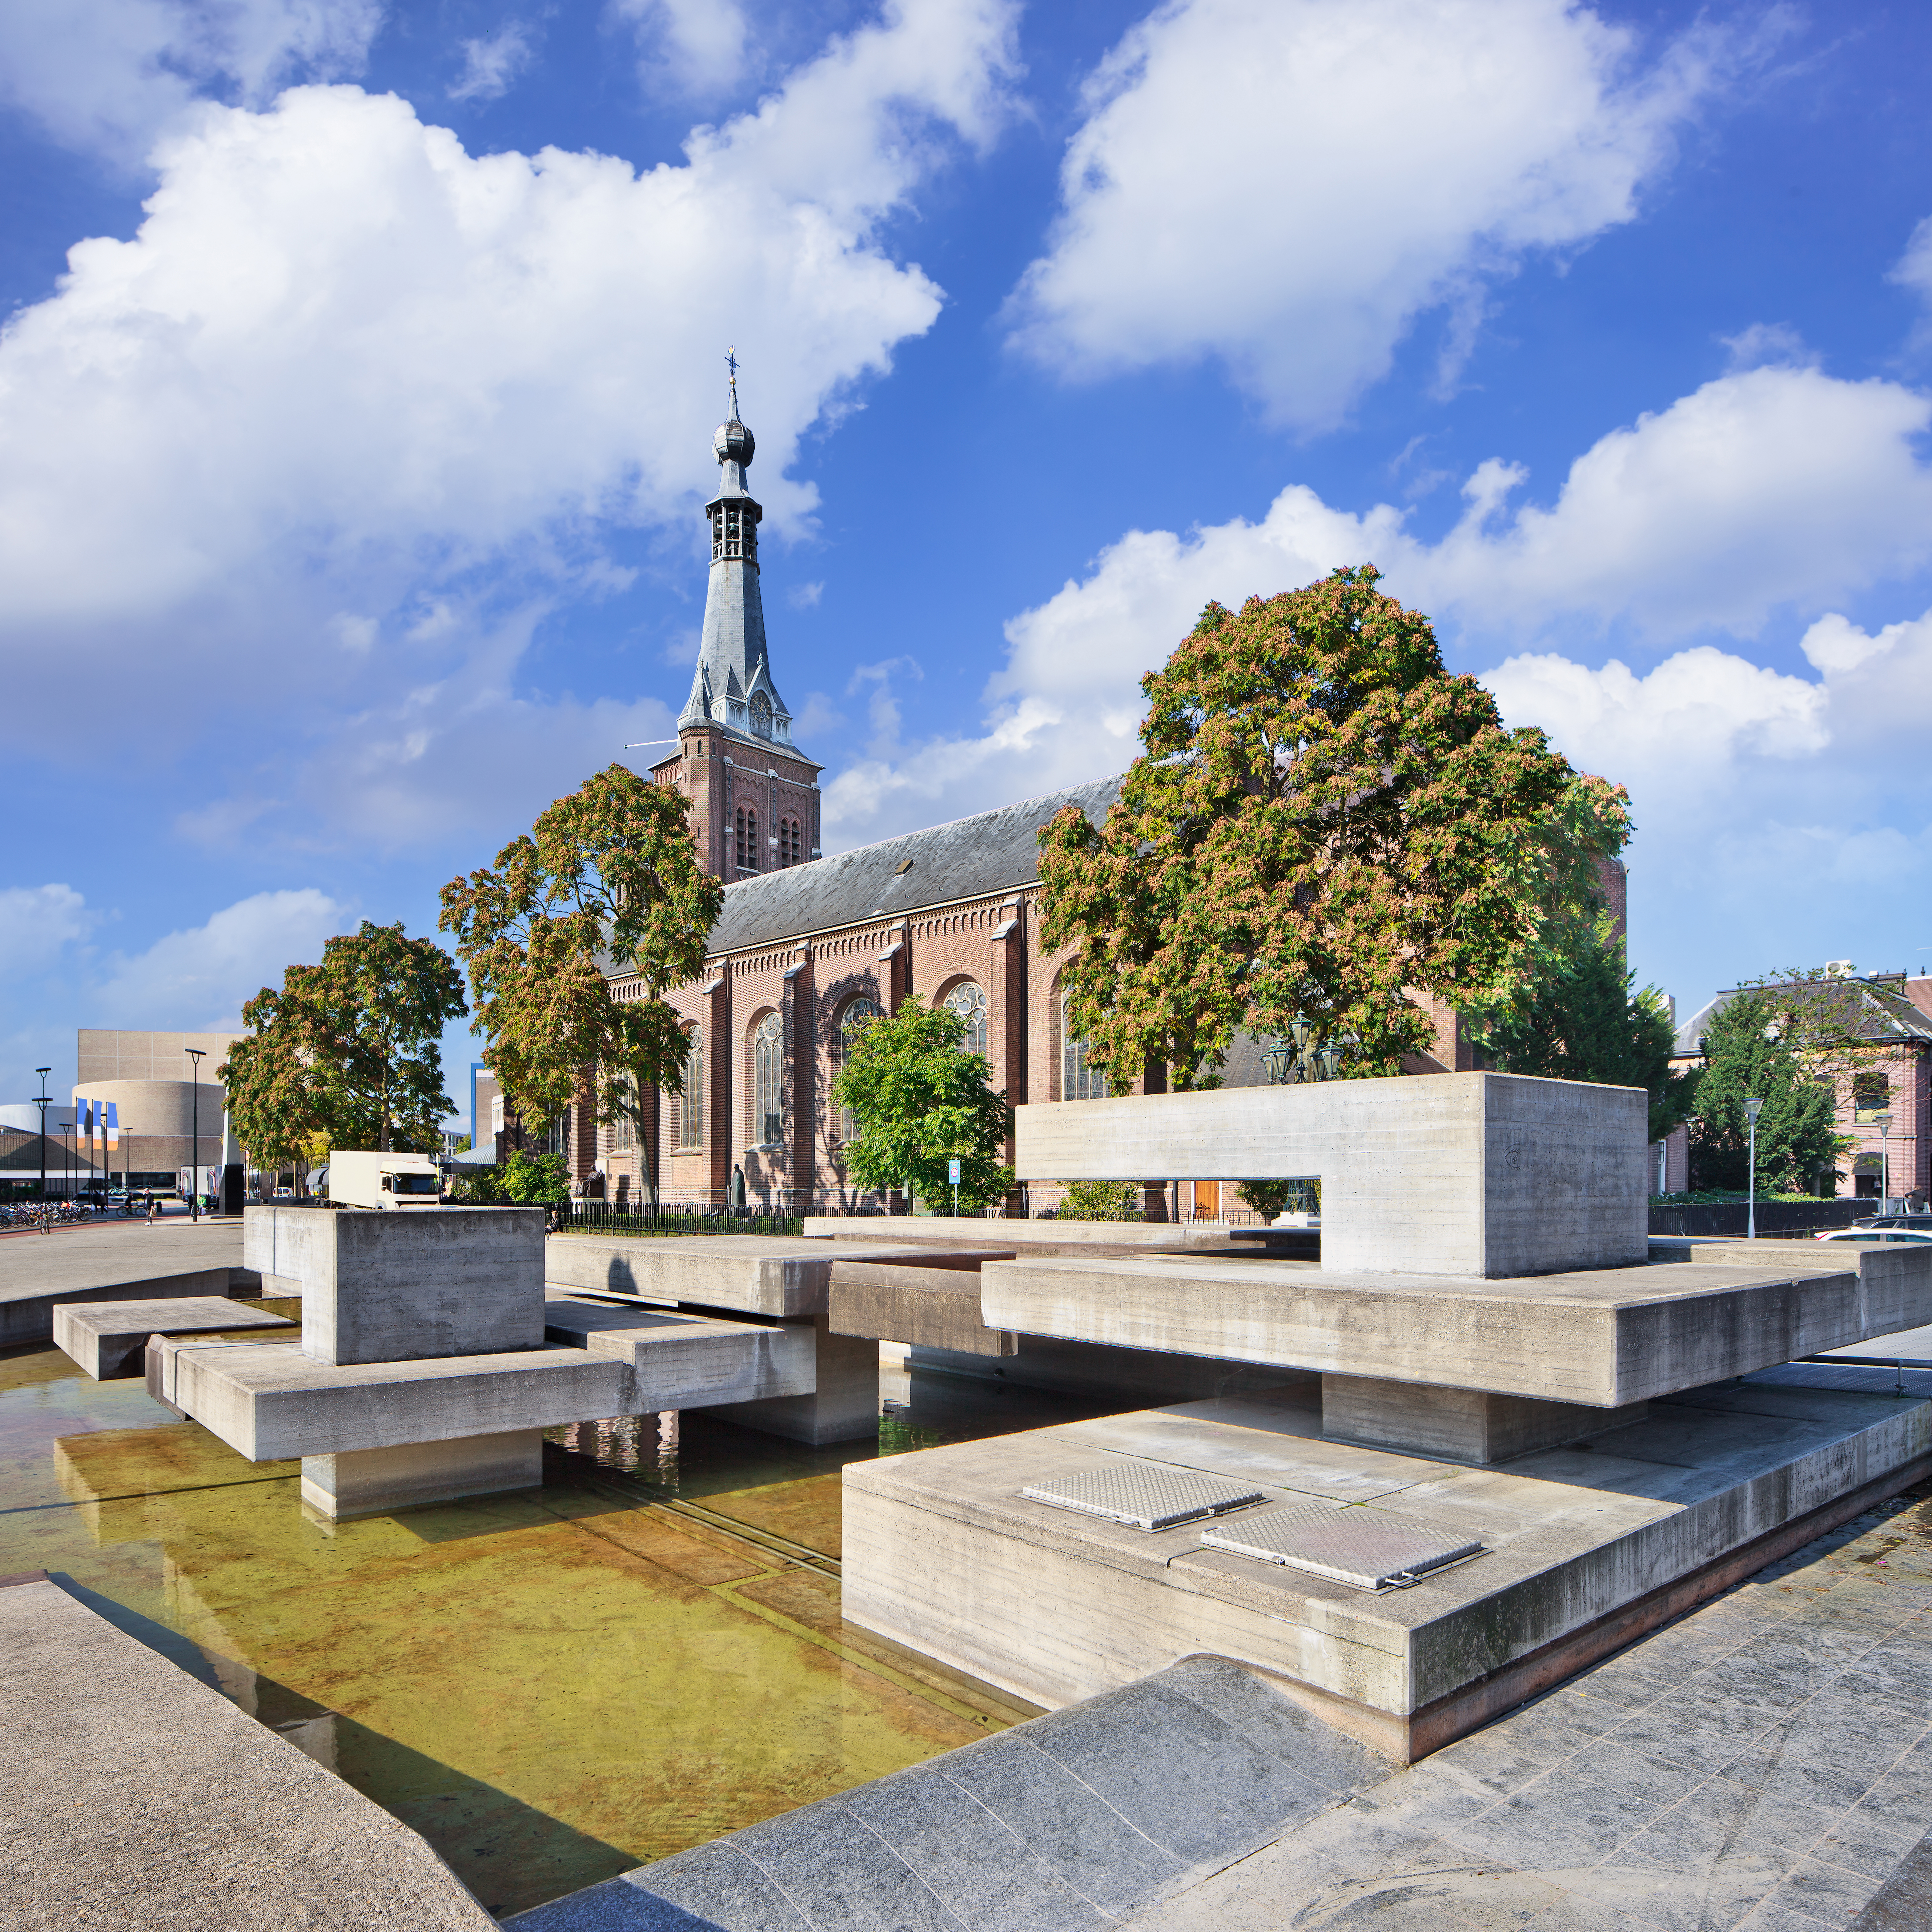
(202, 975)
(490, 64)
(1287, 184)
(693, 47)
(354, 408)
(106, 76)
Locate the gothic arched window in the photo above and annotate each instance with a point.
(1078, 1080)
(854, 1017)
(969, 1002)
(748, 838)
(791, 841)
(768, 1081)
(761, 714)
(688, 1109)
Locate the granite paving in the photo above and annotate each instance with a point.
(1764, 1763)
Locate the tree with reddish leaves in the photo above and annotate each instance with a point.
(1325, 824)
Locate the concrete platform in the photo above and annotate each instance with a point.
(1602, 1338)
(689, 1361)
(775, 1276)
(1585, 1547)
(268, 1401)
(109, 1339)
(135, 1796)
(926, 1307)
(116, 1262)
(372, 1482)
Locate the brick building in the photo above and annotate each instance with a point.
(807, 946)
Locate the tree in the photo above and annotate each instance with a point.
(1747, 1054)
(1322, 824)
(350, 1050)
(609, 876)
(1581, 1017)
(919, 1099)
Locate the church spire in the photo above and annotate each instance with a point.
(733, 686)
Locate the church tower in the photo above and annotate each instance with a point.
(753, 799)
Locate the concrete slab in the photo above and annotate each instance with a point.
(770, 1275)
(1604, 1338)
(268, 1403)
(1490, 1175)
(683, 1361)
(927, 1307)
(1028, 1237)
(1586, 1548)
(109, 1339)
(843, 1406)
(134, 1796)
(116, 1262)
(393, 1287)
(372, 1482)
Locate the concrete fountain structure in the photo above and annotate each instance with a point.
(1498, 1444)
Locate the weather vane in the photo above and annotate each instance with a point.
(731, 363)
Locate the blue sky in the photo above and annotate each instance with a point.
(362, 361)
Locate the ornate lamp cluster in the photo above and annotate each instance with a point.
(1300, 1056)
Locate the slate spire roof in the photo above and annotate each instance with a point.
(732, 686)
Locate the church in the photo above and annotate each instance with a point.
(809, 948)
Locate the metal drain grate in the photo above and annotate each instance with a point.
(1371, 1548)
(1151, 1496)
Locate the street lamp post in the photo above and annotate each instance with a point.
(1752, 1110)
(1883, 1123)
(42, 1100)
(195, 1053)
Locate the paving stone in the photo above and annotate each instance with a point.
(1827, 1891)
(711, 1885)
(1674, 1899)
(978, 1869)
(1560, 1819)
(1079, 1835)
(1904, 1904)
(1862, 1841)
(841, 1876)
(1276, 1724)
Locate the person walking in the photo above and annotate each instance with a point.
(154, 1210)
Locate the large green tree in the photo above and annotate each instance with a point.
(1322, 823)
(919, 1099)
(1581, 1016)
(606, 882)
(349, 1050)
(1748, 1053)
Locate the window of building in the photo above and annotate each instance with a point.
(768, 1081)
(791, 841)
(748, 838)
(1078, 1080)
(624, 1129)
(969, 1002)
(1871, 1096)
(761, 714)
(688, 1108)
(552, 1139)
(854, 1017)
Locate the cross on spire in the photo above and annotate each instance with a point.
(731, 363)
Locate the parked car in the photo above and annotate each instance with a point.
(1897, 1228)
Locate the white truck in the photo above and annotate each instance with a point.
(383, 1180)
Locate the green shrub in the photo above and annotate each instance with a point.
(1101, 1201)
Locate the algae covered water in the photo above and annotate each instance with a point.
(552, 1686)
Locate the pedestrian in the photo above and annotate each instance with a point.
(153, 1210)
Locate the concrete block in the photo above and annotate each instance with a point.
(1584, 1549)
(843, 1405)
(281, 1243)
(930, 1308)
(109, 1339)
(269, 1402)
(1605, 1338)
(778, 1275)
(371, 1482)
(135, 1796)
(385, 1287)
(690, 1361)
(1462, 1425)
(1488, 1175)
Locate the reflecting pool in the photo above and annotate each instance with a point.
(552, 1686)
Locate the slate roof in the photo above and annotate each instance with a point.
(1876, 1012)
(991, 852)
